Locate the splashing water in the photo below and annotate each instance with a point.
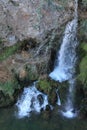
(31, 100)
(66, 61)
(58, 101)
(70, 111)
(67, 55)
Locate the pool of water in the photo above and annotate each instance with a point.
(9, 121)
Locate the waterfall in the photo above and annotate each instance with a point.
(69, 110)
(67, 55)
(31, 100)
(66, 61)
(58, 101)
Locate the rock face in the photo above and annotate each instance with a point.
(82, 53)
(33, 28)
(30, 33)
(31, 19)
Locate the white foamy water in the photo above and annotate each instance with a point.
(67, 54)
(58, 101)
(69, 110)
(66, 60)
(30, 101)
(69, 113)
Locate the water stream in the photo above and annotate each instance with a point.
(66, 61)
(19, 116)
(8, 121)
(31, 100)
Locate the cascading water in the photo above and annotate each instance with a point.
(58, 101)
(65, 68)
(67, 55)
(31, 100)
(69, 110)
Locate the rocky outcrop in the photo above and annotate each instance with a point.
(82, 54)
(30, 34)
(31, 19)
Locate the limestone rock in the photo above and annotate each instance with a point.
(21, 20)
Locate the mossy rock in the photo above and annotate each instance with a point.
(83, 30)
(32, 72)
(79, 94)
(82, 76)
(7, 91)
(82, 66)
(83, 69)
(84, 46)
(52, 97)
(49, 87)
(63, 91)
(27, 74)
(8, 51)
(46, 85)
(46, 115)
(81, 89)
(83, 108)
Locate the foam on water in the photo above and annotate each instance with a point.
(69, 113)
(58, 101)
(67, 55)
(29, 102)
(66, 61)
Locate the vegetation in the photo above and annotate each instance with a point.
(9, 87)
(44, 86)
(83, 69)
(83, 24)
(8, 92)
(84, 3)
(7, 51)
(49, 87)
(82, 75)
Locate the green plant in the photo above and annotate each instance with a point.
(83, 69)
(9, 87)
(84, 3)
(7, 51)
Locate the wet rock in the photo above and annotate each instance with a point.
(49, 87)
(48, 108)
(40, 98)
(47, 113)
(8, 85)
(52, 97)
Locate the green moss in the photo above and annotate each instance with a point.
(8, 92)
(83, 30)
(9, 87)
(46, 85)
(7, 51)
(1, 40)
(32, 73)
(84, 46)
(84, 3)
(82, 76)
(49, 87)
(83, 71)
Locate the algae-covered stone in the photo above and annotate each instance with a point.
(46, 85)
(8, 85)
(49, 87)
(82, 76)
(7, 90)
